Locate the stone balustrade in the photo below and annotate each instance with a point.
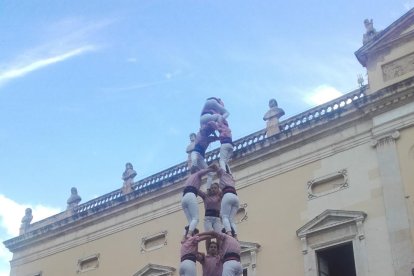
(298, 123)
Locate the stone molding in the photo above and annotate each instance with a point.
(330, 219)
(385, 139)
(398, 67)
(243, 211)
(95, 235)
(331, 228)
(390, 96)
(155, 270)
(248, 255)
(342, 174)
(81, 261)
(145, 239)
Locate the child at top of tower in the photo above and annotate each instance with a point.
(213, 110)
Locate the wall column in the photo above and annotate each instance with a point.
(394, 201)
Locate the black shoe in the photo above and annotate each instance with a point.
(233, 233)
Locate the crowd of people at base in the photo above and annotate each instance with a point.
(220, 201)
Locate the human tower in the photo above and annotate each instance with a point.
(220, 201)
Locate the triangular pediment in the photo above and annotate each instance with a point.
(401, 30)
(330, 219)
(155, 270)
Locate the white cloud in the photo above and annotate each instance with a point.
(62, 40)
(11, 213)
(23, 69)
(322, 94)
(5, 256)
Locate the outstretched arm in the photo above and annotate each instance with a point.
(200, 257)
(211, 234)
(205, 171)
(204, 236)
(202, 194)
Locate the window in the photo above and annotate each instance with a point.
(336, 261)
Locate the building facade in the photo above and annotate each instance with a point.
(330, 194)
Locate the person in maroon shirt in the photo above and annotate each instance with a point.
(189, 251)
(211, 263)
(229, 251)
(230, 255)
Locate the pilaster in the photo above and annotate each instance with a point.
(397, 218)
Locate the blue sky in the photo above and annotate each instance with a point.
(86, 86)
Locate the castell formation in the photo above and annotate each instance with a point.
(222, 256)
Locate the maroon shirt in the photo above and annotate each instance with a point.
(194, 179)
(228, 244)
(189, 246)
(212, 266)
(212, 202)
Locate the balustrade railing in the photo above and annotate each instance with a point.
(180, 171)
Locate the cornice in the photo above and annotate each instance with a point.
(390, 97)
(101, 233)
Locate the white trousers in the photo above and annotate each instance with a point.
(226, 152)
(198, 161)
(190, 208)
(232, 268)
(229, 206)
(188, 268)
(212, 223)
